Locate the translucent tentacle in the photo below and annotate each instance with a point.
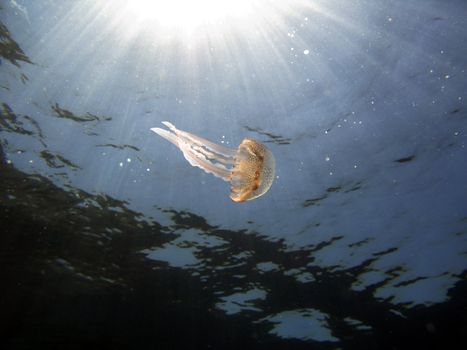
(218, 151)
(197, 160)
(199, 152)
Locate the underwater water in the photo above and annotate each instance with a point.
(109, 237)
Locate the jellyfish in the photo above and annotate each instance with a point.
(249, 169)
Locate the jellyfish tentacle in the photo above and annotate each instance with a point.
(212, 156)
(196, 153)
(166, 135)
(197, 160)
(177, 140)
(218, 150)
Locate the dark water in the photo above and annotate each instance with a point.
(109, 238)
(73, 276)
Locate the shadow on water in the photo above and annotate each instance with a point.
(9, 48)
(75, 272)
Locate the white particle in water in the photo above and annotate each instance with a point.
(447, 76)
(147, 169)
(121, 164)
(306, 52)
(128, 160)
(327, 159)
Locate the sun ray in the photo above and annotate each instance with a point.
(187, 15)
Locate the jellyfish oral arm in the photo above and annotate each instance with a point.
(218, 149)
(166, 135)
(199, 152)
(198, 160)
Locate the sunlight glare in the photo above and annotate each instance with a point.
(189, 14)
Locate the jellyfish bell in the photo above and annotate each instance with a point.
(249, 169)
(253, 171)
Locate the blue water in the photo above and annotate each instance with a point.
(110, 237)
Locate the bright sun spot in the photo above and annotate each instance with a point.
(189, 14)
(195, 22)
